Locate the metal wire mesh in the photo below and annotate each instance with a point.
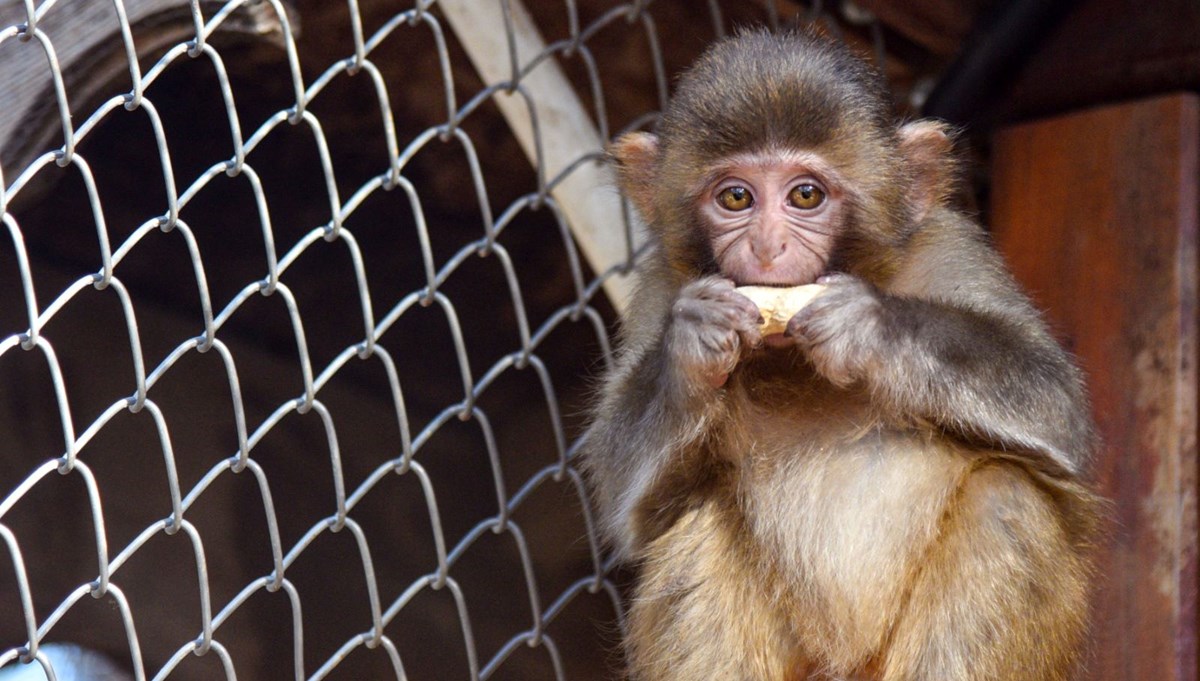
(300, 414)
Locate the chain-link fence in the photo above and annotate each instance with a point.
(296, 336)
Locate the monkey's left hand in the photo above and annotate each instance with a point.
(839, 330)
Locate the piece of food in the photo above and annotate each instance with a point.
(778, 305)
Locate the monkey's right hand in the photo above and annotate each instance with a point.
(711, 326)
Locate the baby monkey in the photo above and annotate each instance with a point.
(890, 489)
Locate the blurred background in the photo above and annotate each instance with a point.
(301, 308)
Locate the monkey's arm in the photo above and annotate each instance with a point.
(954, 343)
(643, 451)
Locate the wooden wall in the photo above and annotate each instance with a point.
(1097, 214)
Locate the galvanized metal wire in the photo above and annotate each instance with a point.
(379, 317)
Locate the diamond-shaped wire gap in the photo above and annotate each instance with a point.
(387, 225)
(458, 457)
(266, 326)
(233, 228)
(498, 578)
(196, 395)
(429, 633)
(396, 519)
(252, 53)
(160, 579)
(410, 43)
(231, 514)
(300, 452)
(559, 530)
(538, 241)
(293, 164)
(493, 322)
(136, 167)
(132, 459)
(456, 212)
(165, 276)
(576, 353)
(523, 421)
(198, 121)
(65, 238)
(36, 418)
(584, 625)
(366, 401)
(333, 574)
(356, 115)
(71, 548)
(259, 630)
(426, 344)
(331, 298)
(96, 348)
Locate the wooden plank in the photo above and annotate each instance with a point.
(567, 133)
(1097, 213)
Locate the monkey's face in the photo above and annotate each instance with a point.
(772, 217)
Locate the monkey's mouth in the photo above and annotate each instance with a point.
(781, 279)
(780, 284)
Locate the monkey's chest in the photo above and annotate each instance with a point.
(847, 508)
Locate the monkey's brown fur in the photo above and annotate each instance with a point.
(898, 496)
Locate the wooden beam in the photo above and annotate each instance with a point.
(1111, 50)
(937, 25)
(566, 133)
(1097, 213)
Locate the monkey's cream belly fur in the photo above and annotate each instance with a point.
(831, 557)
(855, 521)
(845, 535)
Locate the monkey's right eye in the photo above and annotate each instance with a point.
(735, 198)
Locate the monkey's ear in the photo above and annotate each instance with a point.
(636, 155)
(928, 147)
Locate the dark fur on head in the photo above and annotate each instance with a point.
(759, 89)
(800, 90)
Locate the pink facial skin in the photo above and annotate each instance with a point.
(777, 238)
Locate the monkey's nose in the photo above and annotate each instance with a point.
(768, 251)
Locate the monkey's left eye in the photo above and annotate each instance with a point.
(806, 196)
(735, 198)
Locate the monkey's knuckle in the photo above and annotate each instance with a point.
(733, 316)
(708, 288)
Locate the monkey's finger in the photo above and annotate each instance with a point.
(707, 288)
(778, 305)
